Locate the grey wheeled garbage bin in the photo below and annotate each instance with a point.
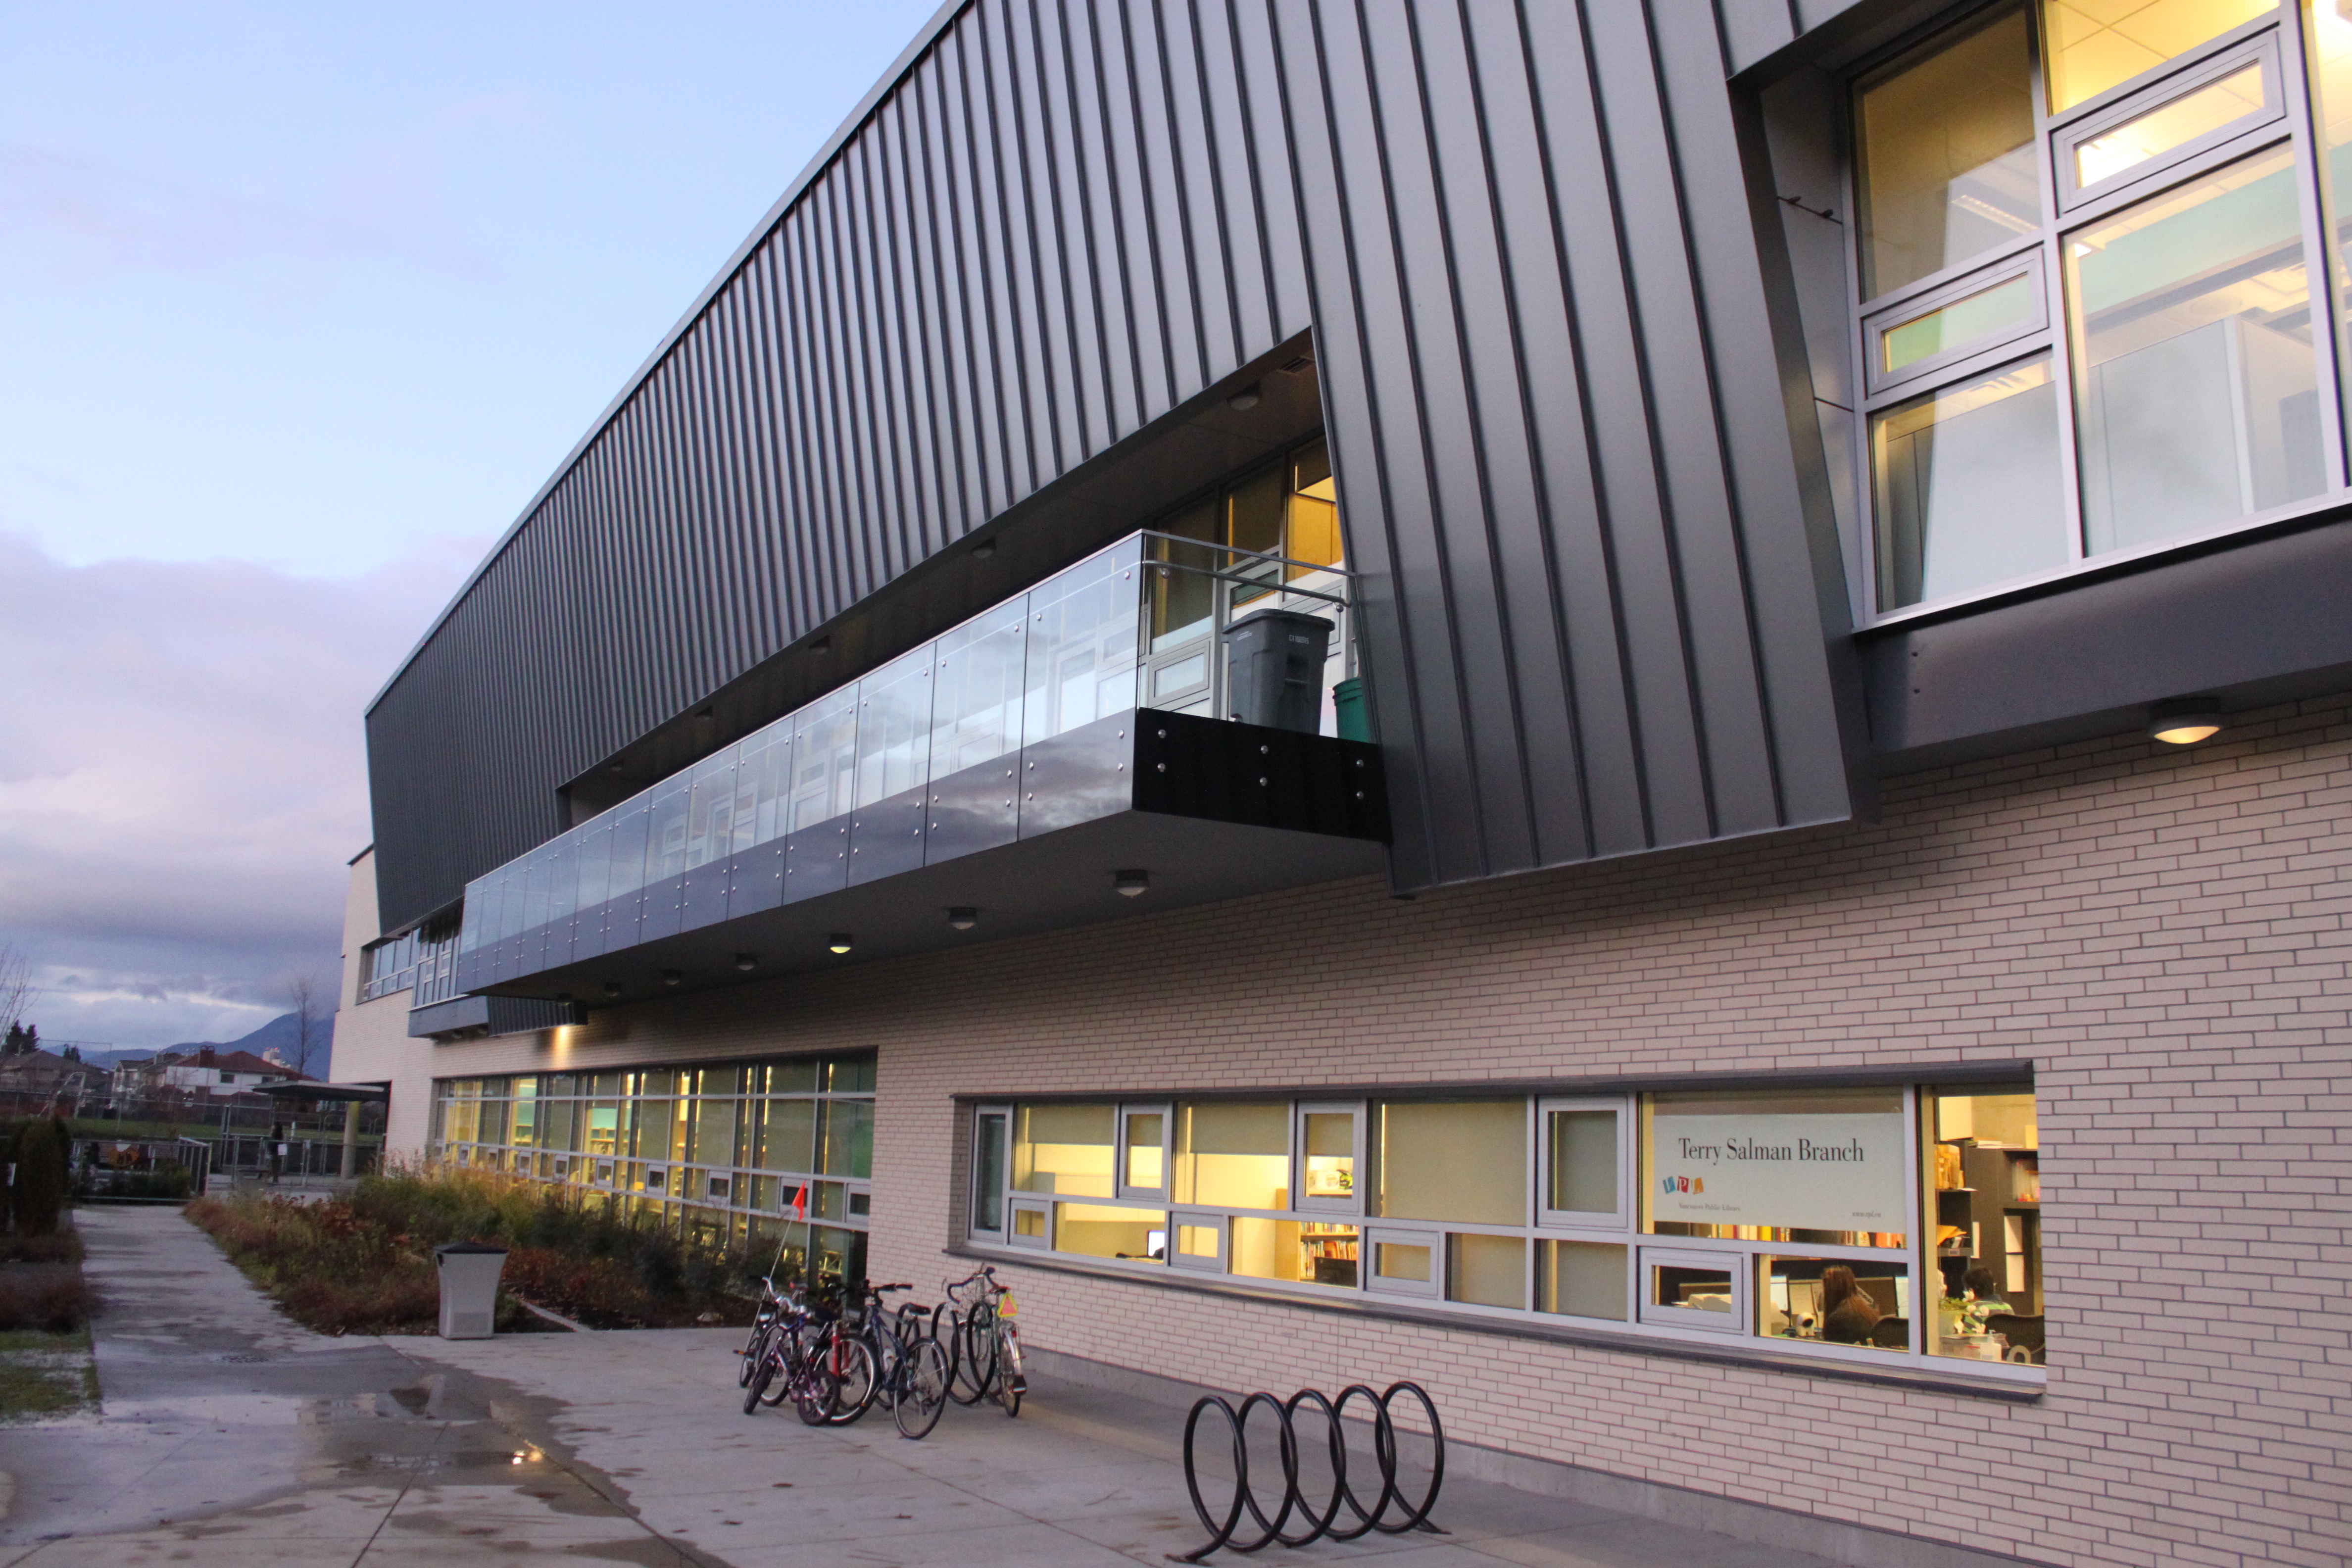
(1274, 660)
(469, 1288)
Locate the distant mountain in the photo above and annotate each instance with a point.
(277, 1035)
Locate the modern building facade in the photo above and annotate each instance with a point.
(1640, 710)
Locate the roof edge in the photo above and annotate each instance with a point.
(826, 154)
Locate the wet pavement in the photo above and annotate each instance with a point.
(230, 1437)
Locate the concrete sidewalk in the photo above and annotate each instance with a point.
(628, 1448)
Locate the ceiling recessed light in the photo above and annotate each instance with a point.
(820, 645)
(747, 961)
(673, 976)
(1131, 883)
(840, 942)
(612, 988)
(963, 917)
(984, 548)
(1244, 400)
(2184, 723)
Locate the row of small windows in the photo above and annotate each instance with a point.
(1874, 1224)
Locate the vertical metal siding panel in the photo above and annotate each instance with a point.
(1099, 316)
(1537, 710)
(1200, 195)
(1782, 607)
(1159, 198)
(866, 408)
(999, 216)
(1359, 310)
(1240, 209)
(943, 218)
(1035, 215)
(1084, 420)
(1620, 411)
(1151, 342)
(1446, 251)
(1727, 682)
(969, 164)
(1266, 123)
(902, 349)
(940, 440)
(842, 442)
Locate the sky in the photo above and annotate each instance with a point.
(299, 306)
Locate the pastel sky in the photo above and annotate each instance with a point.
(298, 305)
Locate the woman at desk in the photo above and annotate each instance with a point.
(1848, 1314)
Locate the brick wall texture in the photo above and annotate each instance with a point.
(2163, 933)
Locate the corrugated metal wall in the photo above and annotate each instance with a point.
(1522, 237)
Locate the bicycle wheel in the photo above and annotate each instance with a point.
(753, 1351)
(814, 1391)
(787, 1348)
(923, 1390)
(975, 1367)
(756, 1386)
(1010, 1384)
(850, 1366)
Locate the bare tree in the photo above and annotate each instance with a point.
(310, 1022)
(17, 988)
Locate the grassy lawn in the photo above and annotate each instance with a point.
(44, 1375)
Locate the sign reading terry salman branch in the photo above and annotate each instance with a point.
(1816, 1161)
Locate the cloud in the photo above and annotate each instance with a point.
(181, 776)
(90, 218)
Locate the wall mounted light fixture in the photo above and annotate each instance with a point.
(2186, 722)
(840, 942)
(1132, 884)
(963, 917)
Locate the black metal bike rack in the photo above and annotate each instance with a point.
(1317, 1526)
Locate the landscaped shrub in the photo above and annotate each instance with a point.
(40, 1187)
(56, 1301)
(364, 1263)
(64, 1247)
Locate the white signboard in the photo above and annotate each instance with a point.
(1802, 1173)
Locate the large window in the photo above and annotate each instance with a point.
(2086, 247)
(1872, 1225)
(756, 1152)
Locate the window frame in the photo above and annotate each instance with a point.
(1122, 1191)
(1353, 1204)
(2070, 131)
(1393, 1233)
(1740, 1266)
(1593, 1221)
(1004, 1174)
(1179, 1219)
(2279, 37)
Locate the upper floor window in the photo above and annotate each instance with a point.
(2088, 240)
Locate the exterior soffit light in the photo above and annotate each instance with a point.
(2184, 723)
(672, 976)
(1244, 400)
(612, 988)
(1132, 884)
(983, 549)
(747, 961)
(963, 917)
(840, 942)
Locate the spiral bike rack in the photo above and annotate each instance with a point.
(1315, 1525)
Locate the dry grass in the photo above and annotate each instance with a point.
(364, 1264)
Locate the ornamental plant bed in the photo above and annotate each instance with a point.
(364, 1264)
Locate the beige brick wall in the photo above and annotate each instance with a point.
(2164, 933)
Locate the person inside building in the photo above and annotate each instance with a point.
(1848, 1314)
(1984, 1290)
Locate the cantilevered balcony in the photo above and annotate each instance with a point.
(1165, 722)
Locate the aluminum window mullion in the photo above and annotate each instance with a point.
(2063, 330)
(2321, 265)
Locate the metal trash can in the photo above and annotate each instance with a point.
(1273, 661)
(469, 1288)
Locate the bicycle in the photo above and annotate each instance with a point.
(983, 1344)
(774, 1307)
(913, 1376)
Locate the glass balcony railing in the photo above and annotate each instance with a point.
(960, 745)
